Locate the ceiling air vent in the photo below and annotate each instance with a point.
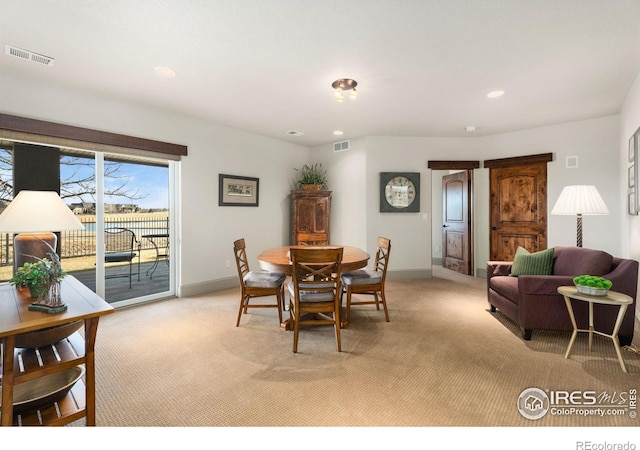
(341, 146)
(29, 56)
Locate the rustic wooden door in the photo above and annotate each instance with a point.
(518, 202)
(456, 222)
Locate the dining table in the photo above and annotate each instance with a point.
(278, 259)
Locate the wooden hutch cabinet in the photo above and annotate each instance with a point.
(310, 214)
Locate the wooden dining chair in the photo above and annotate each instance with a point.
(368, 282)
(257, 284)
(315, 289)
(313, 239)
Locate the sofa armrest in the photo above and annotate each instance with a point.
(498, 268)
(624, 276)
(542, 284)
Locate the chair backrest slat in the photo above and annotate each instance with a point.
(317, 269)
(119, 240)
(382, 256)
(313, 239)
(242, 263)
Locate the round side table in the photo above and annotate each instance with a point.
(612, 298)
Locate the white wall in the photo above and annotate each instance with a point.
(629, 123)
(207, 230)
(347, 180)
(595, 143)
(410, 233)
(413, 235)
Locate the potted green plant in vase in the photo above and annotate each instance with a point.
(312, 177)
(42, 278)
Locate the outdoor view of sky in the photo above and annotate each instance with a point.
(130, 182)
(149, 181)
(142, 185)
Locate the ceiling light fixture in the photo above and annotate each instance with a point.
(344, 84)
(338, 133)
(495, 94)
(164, 72)
(470, 128)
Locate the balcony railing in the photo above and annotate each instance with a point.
(81, 243)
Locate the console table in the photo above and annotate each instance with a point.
(612, 298)
(25, 364)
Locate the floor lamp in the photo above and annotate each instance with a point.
(582, 200)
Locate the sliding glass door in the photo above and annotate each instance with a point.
(131, 224)
(125, 251)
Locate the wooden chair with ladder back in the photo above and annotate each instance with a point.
(368, 282)
(313, 239)
(257, 284)
(315, 289)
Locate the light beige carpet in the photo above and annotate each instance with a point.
(442, 360)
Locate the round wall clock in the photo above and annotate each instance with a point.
(399, 192)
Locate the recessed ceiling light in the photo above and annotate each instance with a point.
(164, 72)
(470, 128)
(338, 133)
(495, 94)
(295, 133)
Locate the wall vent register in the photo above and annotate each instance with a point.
(28, 55)
(341, 146)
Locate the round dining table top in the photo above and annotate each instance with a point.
(277, 259)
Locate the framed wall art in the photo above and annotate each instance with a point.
(234, 190)
(632, 192)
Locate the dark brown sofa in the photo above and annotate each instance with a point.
(533, 302)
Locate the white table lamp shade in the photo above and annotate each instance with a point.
(38, 211)
(582, 199)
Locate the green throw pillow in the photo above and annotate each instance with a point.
(538, 263)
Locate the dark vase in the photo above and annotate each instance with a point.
(38, 291)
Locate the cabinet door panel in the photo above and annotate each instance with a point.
(304, 217)
(321, 222)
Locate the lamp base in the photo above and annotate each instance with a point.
(48, 309)
(28, 247)
(579, 231)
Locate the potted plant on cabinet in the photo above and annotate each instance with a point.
(312, 177)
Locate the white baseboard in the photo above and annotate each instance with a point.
(190, 290)
(411, 273)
